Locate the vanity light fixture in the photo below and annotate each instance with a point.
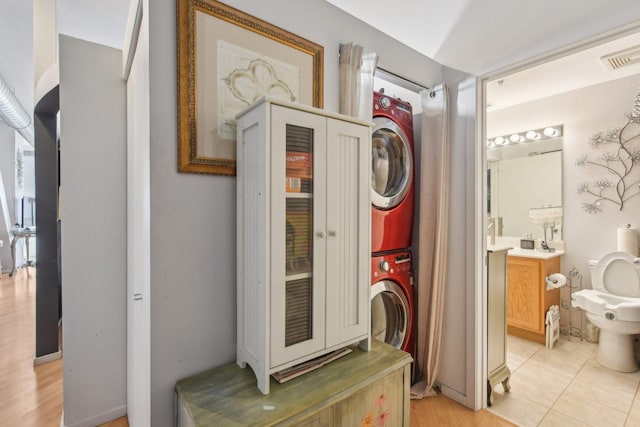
(547, 132)
(551, 132)
(500, 140)
(532, 135)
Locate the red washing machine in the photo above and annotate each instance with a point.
(392, 178)
(392, 297)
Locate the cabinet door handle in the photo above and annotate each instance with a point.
(320, 234)
(333, 233)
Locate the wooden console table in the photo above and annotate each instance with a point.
(359, 388)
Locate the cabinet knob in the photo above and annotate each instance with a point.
(320, 234)
(333, 233)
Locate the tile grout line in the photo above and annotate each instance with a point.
(565, 389)
(635, 396)
(587, 358)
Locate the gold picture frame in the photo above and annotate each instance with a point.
(226, 60)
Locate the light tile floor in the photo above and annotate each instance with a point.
(565, 387)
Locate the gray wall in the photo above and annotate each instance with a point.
(93, 210)
(193, 292)
(458, 359)
(7, 169)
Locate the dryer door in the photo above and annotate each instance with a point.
(391, 164)
(389, 313)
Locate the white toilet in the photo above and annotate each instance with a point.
(613, 305)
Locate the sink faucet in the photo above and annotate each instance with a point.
(491, 228)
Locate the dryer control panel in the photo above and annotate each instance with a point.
(397, 108)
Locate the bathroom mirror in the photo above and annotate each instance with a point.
(522, 177)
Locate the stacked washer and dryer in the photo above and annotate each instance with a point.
(392, 194)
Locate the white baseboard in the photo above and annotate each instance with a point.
(111, 415)
(39, 360)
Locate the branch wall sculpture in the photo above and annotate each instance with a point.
(623, 181)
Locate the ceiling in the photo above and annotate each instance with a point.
(580, 69)
(478, 36)
(101, 22)
(475, 36)
(483, 36)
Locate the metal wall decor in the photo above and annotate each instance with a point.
(622, 179)
(228, 59)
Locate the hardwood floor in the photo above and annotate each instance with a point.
(32, 396)
(442, 411)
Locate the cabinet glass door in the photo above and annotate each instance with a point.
(299, 241)
(298, 203)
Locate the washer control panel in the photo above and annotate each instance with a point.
(392, 264)
(403, 263)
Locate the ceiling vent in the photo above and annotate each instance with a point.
(616, 60)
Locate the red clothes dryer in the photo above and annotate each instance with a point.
(392, 178)
(392, 306)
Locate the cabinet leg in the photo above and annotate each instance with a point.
(489, 393)
(506, 385)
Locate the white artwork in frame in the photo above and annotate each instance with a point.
(243, 77)
(256, 54)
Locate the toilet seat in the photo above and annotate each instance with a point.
(613, 305)
(617, 274)
(608, 306)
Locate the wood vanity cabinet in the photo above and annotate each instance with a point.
(303, 219)
(527, 297)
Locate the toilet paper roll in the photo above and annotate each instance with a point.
(628, 240)
(556, 280)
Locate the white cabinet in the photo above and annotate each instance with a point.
(303, 179)
(497, 322)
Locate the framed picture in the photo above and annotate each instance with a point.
(227, 60)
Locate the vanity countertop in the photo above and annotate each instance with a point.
(534, 253)
(498, 248)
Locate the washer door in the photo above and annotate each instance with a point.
(389, 313)
(391, 164)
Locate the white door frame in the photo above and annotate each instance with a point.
(481, 187)
(136, 74)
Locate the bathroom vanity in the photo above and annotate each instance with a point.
(527, 296)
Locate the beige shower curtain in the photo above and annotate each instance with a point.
(432, 242)
(356, 81)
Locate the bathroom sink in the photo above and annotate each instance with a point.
(534, 253)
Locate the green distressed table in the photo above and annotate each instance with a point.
(361, 388)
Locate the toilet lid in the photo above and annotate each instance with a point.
(617, 274)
